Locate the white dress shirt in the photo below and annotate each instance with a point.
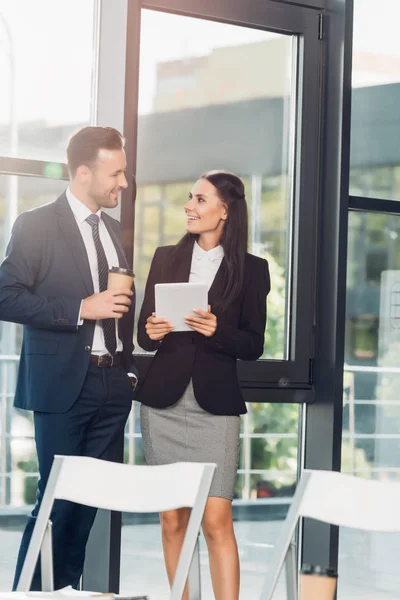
(81, 212)
(205, 264)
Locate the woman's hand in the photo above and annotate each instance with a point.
(157, 327)
(206, 323)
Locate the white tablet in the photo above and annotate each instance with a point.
(175, 301)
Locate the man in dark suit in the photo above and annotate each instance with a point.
(77, 371)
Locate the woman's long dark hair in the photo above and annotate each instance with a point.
(231, 191)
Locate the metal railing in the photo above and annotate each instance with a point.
(8, 372)
(352, 436)
(8, 376)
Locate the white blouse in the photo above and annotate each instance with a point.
(205, 264)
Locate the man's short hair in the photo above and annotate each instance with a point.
(83, 147)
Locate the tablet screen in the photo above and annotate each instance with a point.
(175, 301)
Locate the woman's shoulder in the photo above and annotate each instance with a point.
(164, 251)
(256, 261)
(257, 269)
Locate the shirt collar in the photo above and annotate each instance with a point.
(81, 212)
(212, 255)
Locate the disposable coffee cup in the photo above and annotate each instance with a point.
(120, 278)
(317, 583)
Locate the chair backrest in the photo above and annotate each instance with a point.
(351, 501)
(337, 499)
(128, 488)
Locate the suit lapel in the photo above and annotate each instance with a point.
(218, 284)
(73, 237)
(181, 272)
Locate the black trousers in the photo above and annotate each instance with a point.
(91, 427)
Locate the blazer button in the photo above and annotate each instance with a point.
(87, 348)
(193, 339)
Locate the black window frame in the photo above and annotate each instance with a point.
(283, 376)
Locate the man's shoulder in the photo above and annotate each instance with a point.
(40, 215)
(44, 209)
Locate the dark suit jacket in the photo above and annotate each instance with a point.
(210, 362)
(43, 279)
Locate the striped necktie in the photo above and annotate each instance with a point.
(102, 265)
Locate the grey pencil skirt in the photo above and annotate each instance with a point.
(185, 432)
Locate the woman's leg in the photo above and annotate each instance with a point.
(222, 548)
(173, 528)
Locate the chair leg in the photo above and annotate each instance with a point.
(191, 536)
(284, 540)
(46, 560)
(194, 575)
(291, 573)
(39, 530)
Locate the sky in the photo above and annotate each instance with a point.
(53, 42)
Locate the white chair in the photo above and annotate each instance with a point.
(337, 499)
(124, 488)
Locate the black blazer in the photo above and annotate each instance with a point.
(43, 279)
(210, 362)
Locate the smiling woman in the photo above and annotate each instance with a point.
(191, 398)
(205, 212)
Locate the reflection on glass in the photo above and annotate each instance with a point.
(47, 80)
(264, 486)
(371, 414)
(375, 154)
(216, 96)
(10, 532)
(18, 465)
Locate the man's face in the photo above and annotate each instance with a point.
(107, 178)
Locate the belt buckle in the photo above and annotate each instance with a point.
(102, 360)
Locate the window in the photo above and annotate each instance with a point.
(205, 106)
(371, 413)
(375, 128)
(47, 92)
(232, 101)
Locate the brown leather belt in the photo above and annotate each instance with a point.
(105, 360)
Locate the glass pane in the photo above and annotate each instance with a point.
(18, 463)
(216, 96)
(10, 533)
(371, 417)
(47, 90)
(375, 129)
(18, 194)
(264, 486)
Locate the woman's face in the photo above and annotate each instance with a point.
(204, 210)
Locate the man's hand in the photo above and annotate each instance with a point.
(111, 304)
(133, 379)
(157, 327)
